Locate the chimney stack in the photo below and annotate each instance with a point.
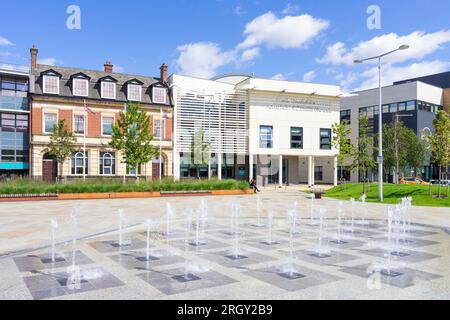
(34, 52)
(108, 67)
(163, 73)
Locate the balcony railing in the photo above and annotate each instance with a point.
(14, 103)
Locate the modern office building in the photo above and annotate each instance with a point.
(414, 102)
(278, 132)
(58, 93)
(14, 121)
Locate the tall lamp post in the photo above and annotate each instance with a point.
(380, 118)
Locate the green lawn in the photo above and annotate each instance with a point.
(27, 186)
(392, 194)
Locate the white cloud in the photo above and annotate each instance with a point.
(290, 9)
(421, 44)
(278, 76)
(119, 69)
(391, 74)
(5, 42)
(50, 62)
(250, 54)
(309, 76)
(287, 32)
(202, 59)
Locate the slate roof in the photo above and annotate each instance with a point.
(94, 83)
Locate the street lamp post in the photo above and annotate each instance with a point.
(380, 118)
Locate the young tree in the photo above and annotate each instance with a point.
(132, 136)
(439, 142)
(402, 148)
(62, 144)
(342, 142)
(200, 151)
(363, 157)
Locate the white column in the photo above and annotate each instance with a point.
(250, 167)
(309, 171)
(335, 176)
(219, 166)
(176, 165)
(280, 171)
(313, 164)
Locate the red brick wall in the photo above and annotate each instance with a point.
(36, 123)
(67, 116)
(94, 125)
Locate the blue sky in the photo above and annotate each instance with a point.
(293, 40)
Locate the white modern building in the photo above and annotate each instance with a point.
(278, 132)
(414, 102)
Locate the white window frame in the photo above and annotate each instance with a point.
(101, 162)
(82, 158)
(86, 83)
(103, 91)
(85, 124)
(44, 87)
(113, 121)
(162, 124)
(43, 120)
(130, 174)
(135, 86)
(154, 95)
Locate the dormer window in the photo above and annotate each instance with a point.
(134, 92)
(108, 87)
(80, 84)
(80, 87)
(159, 95)
(51, 84)
(108, 90)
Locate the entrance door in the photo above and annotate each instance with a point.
(155, 169)
(49, 170)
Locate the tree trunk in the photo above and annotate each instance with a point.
(439, 181)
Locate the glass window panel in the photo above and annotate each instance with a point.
(80, 87)
(107, 125)
(325, 139)
(159, 95)
(49, 122)
(78, 124)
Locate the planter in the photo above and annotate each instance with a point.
(122, 195)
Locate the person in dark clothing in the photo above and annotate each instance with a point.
(254, 186)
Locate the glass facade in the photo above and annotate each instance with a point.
(14, 126)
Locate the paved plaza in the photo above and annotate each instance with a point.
(221, 257)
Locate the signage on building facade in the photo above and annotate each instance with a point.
(304, 104)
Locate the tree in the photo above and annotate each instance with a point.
(62, 144)
(132, 136)
(342, 142)
(363, 155)
(439, 142)
(403, 148)
(200, 151)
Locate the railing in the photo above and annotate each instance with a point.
(14, 103)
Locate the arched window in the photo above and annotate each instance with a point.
(107, 163)
(77, 163)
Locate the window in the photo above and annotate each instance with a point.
(318, 173)
(51, 84)
(393, 108)
(134, 92)
(79, 124)
(266, 137)
(107, 123)
(108, 90)
(159, 95)
(386, 108)
(107, 163)
(402, 106)
(49, 122)
(325, 139)
(296, 138)
(345, 116)
(132, 171)
(80, 87)
(158, 129)
(411, 105)
(78, 160)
